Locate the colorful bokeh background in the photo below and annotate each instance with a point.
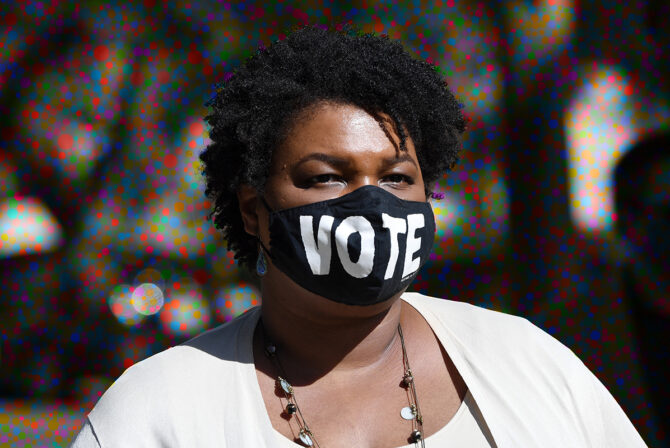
(106, 255)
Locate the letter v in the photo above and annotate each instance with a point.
(319, 249)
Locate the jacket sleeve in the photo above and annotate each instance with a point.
(86, 437)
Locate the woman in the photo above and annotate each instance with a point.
(325, 148)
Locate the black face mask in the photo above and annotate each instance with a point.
(358, 249)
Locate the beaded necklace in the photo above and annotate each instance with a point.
(306, 436)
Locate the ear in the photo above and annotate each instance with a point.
(247, 196)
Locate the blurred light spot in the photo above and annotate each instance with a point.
(147, 299)
(186, 311)
(234, 299)
(445, 215)
(119, 302)
(27, 227)
(599, 126)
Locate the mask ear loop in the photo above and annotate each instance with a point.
(261, 262)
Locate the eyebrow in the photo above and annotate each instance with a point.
(331, 160)
(339, 162)
(405, 157)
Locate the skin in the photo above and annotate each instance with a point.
(332, 352)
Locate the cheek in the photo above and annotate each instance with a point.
(278, 191)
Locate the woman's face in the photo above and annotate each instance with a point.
(335, 150)
(330, 152)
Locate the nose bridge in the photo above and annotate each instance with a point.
(365, 169)
(365, 179)
(362, 179)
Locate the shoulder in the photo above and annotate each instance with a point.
(169, 386)
(458, 314)
(482, 331)
(509, 352)
(523, 370)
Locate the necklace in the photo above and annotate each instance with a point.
(306, 436)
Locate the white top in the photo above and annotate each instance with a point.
(525, 389)
(463, 430)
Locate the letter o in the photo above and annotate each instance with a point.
(356, 224)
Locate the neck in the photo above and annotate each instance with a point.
(315, 337)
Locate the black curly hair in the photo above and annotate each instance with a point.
(254, 110)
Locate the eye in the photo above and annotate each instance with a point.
(321, 179)
(398, 179)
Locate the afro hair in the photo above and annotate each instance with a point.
(253, 110)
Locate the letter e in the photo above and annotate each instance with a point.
(414, 222)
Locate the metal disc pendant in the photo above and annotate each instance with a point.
(285, 386)
(305, 438)
(407, 413)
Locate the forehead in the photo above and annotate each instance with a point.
(342, 129)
